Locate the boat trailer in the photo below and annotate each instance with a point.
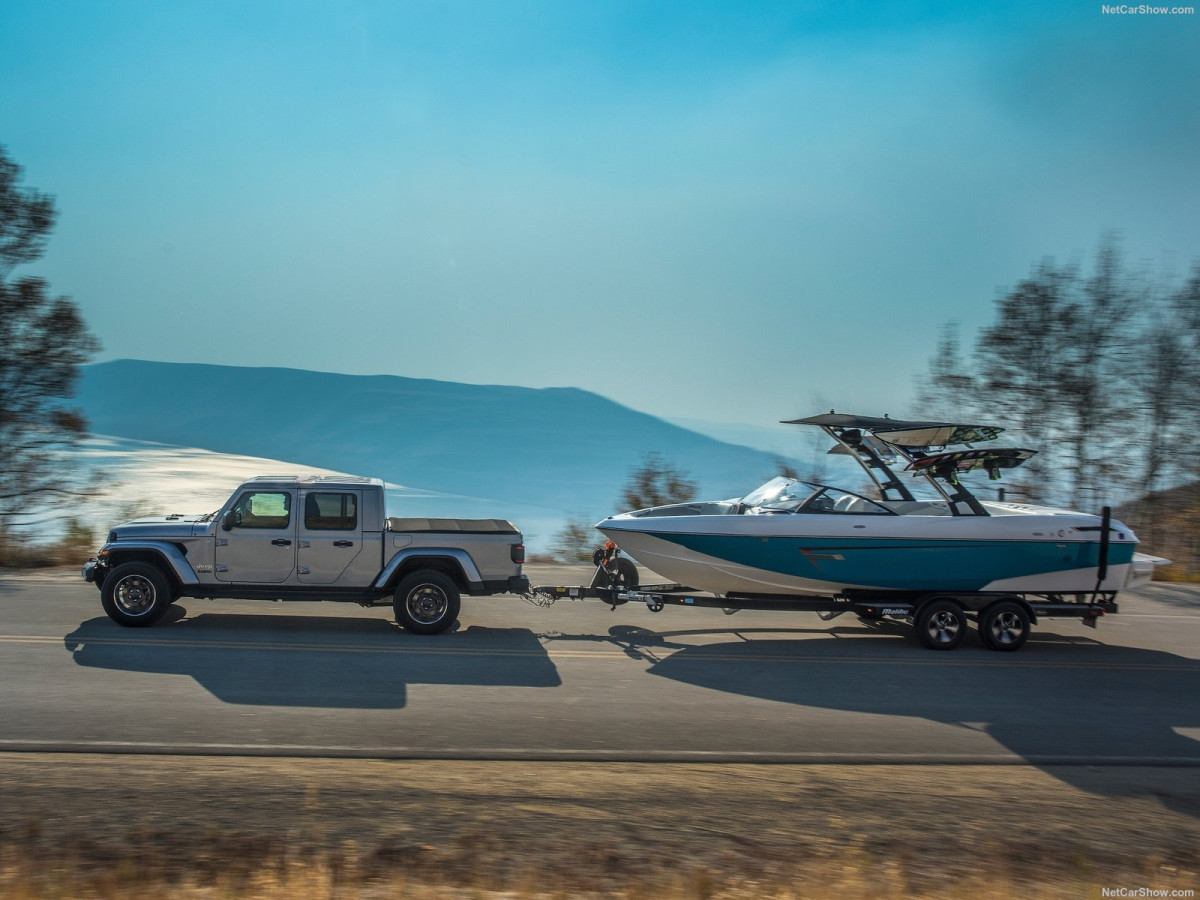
(1004, 620)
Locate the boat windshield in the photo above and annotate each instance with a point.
(781, 493)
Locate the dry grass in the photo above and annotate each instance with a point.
(146, 827)
(1177, 573)
(269, 870)
(74, 547)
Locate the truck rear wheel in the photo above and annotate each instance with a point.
(135, 594)
(426, 602)
(941, 624)
(1004, 626)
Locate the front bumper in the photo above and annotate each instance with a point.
(94, 572)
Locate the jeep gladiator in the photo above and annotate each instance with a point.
(307, 538)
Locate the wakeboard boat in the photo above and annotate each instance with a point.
(792, 537)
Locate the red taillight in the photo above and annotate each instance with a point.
(518, 553)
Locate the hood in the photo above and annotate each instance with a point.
(158, 527)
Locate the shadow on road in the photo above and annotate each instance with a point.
(1061, 698)
(1173, 596)
(306, 661)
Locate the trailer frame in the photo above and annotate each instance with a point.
(1003, 619)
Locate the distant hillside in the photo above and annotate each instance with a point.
(561, 448)
(1168, 524)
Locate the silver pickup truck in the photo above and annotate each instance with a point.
(318, 538)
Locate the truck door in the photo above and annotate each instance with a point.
(331, 535)
(256, 539)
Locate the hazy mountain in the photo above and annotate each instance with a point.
(557, 448)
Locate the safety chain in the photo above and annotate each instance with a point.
(539, 599)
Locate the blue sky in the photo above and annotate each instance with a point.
(733, 212)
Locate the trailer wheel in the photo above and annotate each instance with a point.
(1004, 626)
(135, 594)
(941, 624)
(426, 602)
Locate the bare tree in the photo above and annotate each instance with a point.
(1166, 365)
(656, 483)
(1053, 366)
(947, 390)
(1185, 322)
(1102, 374)
(575, 541)
(1165, 374)
(1021, 359)
(43, 341)
(26, 218)
(785, 469)
(1093, 392)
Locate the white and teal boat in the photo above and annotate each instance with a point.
(796, 538)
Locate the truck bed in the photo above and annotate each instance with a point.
(456, 526)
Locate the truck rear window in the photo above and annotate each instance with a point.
(331, 512)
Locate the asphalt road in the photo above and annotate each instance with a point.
(581, 681)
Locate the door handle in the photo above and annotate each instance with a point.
(281, 542)
(343, 543)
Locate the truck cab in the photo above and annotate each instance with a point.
(277, 532)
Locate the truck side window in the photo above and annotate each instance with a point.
(263, 509)
(331, 512)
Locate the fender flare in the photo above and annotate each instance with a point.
(176, 563)
(453, 554)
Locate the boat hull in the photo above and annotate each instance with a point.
(827, 555)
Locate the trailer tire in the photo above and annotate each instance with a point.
(941, 624)
(1004, 626)
(426, 602)
(135, 594)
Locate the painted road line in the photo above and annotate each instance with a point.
(539, 754)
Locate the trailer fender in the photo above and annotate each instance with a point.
(1011, 598)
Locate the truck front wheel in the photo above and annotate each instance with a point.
(135, 594)
(426, 602)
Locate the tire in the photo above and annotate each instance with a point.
(626, 576)
(135, 594)
(426, 602)
(941, 624)
(1004, 626)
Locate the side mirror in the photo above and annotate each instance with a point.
(227, 521)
